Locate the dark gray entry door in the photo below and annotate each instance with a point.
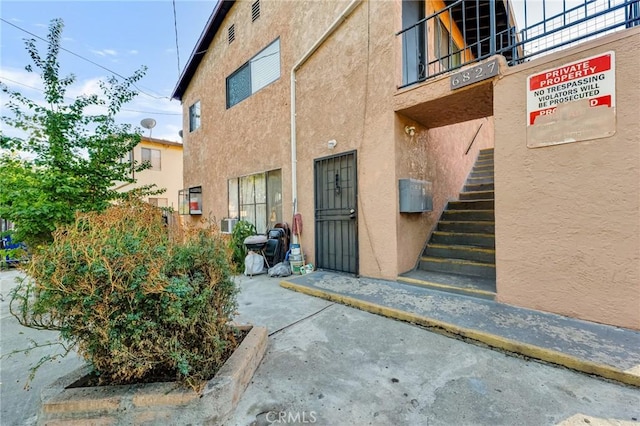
(336, 213)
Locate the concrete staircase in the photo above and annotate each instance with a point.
(460, 256)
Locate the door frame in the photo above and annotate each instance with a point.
(316, 161)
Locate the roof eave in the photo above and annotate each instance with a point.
(211, 28)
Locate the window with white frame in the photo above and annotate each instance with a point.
(194, 116)
(257, 199)
(151, 156)
(261, 70)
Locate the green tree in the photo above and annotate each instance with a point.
(70, 159)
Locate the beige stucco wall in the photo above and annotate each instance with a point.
(568, 216)
(168, 177)
(344, 92)
(254, 135)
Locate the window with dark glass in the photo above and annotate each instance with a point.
(194, 116)
(261, 70)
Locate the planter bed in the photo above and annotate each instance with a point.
(155, 403)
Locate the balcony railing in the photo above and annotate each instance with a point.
(468, 31)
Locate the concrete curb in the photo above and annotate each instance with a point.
(491, 340)
(156, 403)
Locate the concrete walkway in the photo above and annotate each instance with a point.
(606, 351)
(330, 364)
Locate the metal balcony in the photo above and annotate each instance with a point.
(468, 31)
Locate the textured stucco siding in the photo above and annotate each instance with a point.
(343, 92)
(568, 216)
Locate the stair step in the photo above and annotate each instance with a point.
(474, 226)
(452, 283)
(474, 187)
(484, 164)
(482, 174)
(486, 151)
(477, 239)
(483, 169)
(468, 215)
(457, 266)
(471, 205)
(478, 180)
(477, 195)
(476, 254)
(484, 159)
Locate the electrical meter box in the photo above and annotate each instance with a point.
(415, 196)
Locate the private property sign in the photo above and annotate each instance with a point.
(560, 99)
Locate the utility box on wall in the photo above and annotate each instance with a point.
(415, 196)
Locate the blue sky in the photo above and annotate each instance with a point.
(118, 35)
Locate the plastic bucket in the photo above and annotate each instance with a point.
(295, 257)
(295, 249)
(296, 266)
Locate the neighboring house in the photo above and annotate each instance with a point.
(363, 115)
(165, 171)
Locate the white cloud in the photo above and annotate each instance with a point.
(167, 132)
(105, 52)
(41, 25)
(16, 20)
(133, 52)
(86, 87)
(10, 75)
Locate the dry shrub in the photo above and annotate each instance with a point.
(139, 304)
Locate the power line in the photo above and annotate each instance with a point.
(85, 59)
(71, 99)
(175, 26)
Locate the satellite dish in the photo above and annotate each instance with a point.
(148, 123)
(180, 133)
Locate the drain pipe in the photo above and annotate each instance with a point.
(294, 156)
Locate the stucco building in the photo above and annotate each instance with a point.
(165, 171)
(400, 131)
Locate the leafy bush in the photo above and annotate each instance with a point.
(138, 305)
(242, 230)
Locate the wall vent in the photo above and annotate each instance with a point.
(232, 33)
(255, 10)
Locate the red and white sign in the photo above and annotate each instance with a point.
(592, 79)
